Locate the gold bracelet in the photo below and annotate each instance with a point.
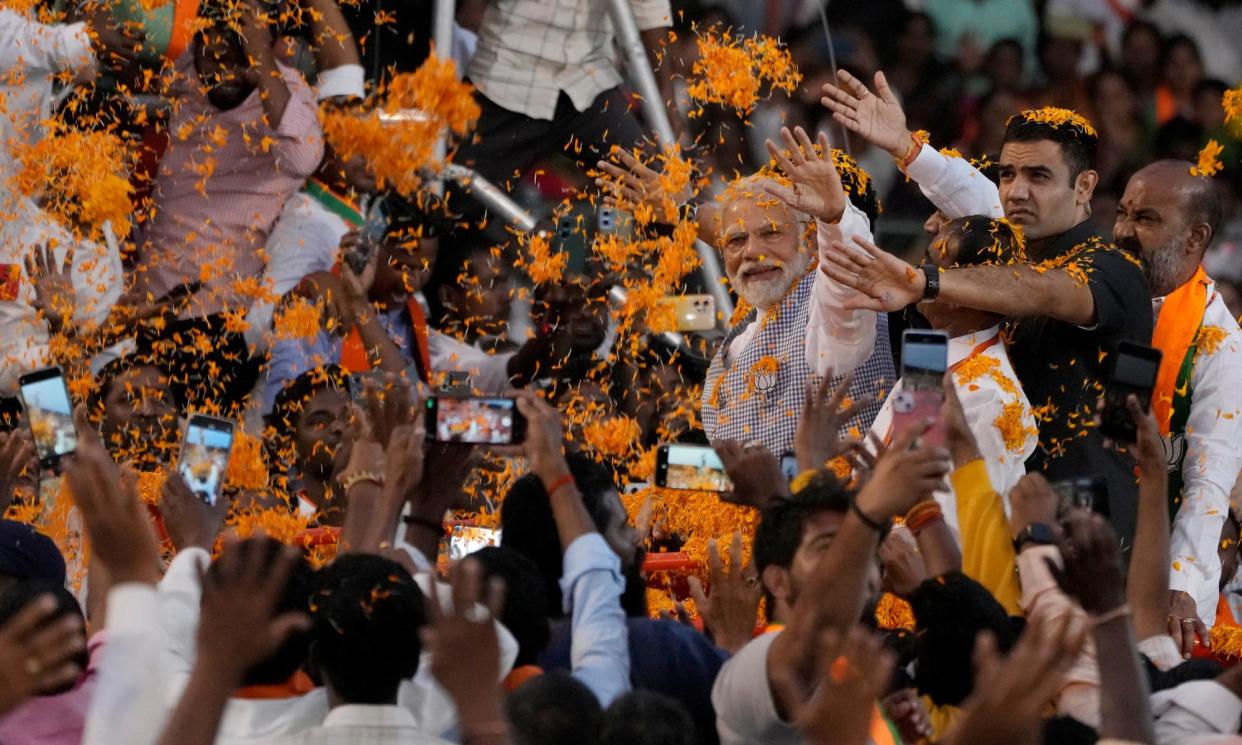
(351, 480)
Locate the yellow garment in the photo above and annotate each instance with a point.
(987, 549)
(942, 718)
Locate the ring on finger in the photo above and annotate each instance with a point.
(33, 666)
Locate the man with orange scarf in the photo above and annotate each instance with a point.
(1168, 217)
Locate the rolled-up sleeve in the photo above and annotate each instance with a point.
(29, 45)
(592, 585)
(957, 188)
(837, 338)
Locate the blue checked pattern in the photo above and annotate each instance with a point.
(750, 407)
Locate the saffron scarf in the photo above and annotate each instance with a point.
(1175, 333)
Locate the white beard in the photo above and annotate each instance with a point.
(763, 294)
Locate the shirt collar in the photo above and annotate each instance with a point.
(370, 715)
(960, 347)
(1071, 239)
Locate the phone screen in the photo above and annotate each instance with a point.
(50, 413)
(466, 539)
(205, 455)
(476, 421)
(1135, 371)
(691, 467)
(924, 357)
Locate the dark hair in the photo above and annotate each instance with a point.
(1078, 146)
(646, 718)
(530, 529)
(525, 612)
(1139, 25)
(781, 526)
(18, 596)
(1174, 41)
(950, 611)
(553, 709)
(292, 399)
(291, 655)
(365, 639)
(858, 185)
(983, 240)
(107, 376)
(450, 265)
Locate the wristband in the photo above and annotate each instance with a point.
(922, 515)
(916, 146)
(351, 480)
(931, 288)
(865, 518)
(564, 480)
(1120, 611)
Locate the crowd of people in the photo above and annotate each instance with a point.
(431, 492)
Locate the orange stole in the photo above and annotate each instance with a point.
(354, 356)
(1180, 318)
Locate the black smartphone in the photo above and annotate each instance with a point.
(475, 420)
(1135, 368)
(694, 467)
(204, 459)
(49, 410)
(1087, 492)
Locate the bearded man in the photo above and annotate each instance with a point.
(1168, 217)
(798, 329)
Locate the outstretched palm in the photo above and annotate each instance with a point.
(817, 187)
(885, 282)
(876, 117)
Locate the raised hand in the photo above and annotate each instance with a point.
(1032, 500)
(1092, 573)
(817, 188)
(116, 521)
(876, 117)
(904, 569)
(886, 283)
(840, 711)
(903, 477)
(16, 457)
(38, 652)
(960, 439)
(756, 474)
(632, 183)
(545, 441)
(190, 521)
(817, 439)
(55, 295)
(729, 613)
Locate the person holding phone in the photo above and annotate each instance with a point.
(1169, 218)
(995, 406)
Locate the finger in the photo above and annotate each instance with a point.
(808, 147)
(735, 556)
(620, 177)
(825, 146)
(715, 566)
(1174, 625)
(882, 90)
(495, 597)
(28, 619)
(636, 165)
(59, 676)
(781, 160)
(683, 614)
(279, 571)
(853, 85)
(697, 594)
(782, 193)
(796, 156)
(286, 625)
(839, 98)
(467, 584)
(67, 267)
(56, 642)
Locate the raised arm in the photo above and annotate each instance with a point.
(886, 283)
(952, 184)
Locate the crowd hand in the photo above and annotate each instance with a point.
(116, 522)
(861, 458)
(545, 441)
(256, 35)
(1092, 571)
(633, 183)
(1148, 447)
(465, 653)
(886, 283)
(55, 296)
(1184, 623)
(389, 405)
(117, 46)
(817, 188)
(904, 709)
(132, 309)
(840, 711)
(1011, 693)
(904, 569)
(903, 477)
(817, 439)
(1032, 501)
(757, 477)
(16, 455)
(190, 521)
(730, 612)
(354, 307)
(876, 117)
(239, 626)
(38, 653)
(961, 440)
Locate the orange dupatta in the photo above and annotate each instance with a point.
(1179, 321)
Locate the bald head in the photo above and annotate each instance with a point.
(1167, 217)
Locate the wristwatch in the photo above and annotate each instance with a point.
(931, 288)
(1038, 533)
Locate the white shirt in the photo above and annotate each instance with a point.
(96, 273)
(1213, 443)
(356, 724)
(530, 50)
(742, 697)
(954, 186)
(591, 588)
(835, 338)
(984, 400)
(1198, 712)
(489, 373)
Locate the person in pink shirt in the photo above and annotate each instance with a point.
(243, 137)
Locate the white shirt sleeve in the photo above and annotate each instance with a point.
(957, 188)
(489, 373)
(1209, 471)
(181, 597)
(838, 338)
(29, 45)
(345, 80)
(592, 586)
(651, 14)
(1191, 710)
(129, 706)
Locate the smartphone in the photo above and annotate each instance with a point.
(466, 539)
(456, 382)
(205, 450)
(694, 312)
(690, 467)
(1088, 492)
(475, 420)
(50, 413)
(924, 360)
(370, 237)
(789, 466)
(1135, 368)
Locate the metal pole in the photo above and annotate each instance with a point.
(442, 23)
(628, 38)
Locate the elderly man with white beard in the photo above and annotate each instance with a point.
(798, 329)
